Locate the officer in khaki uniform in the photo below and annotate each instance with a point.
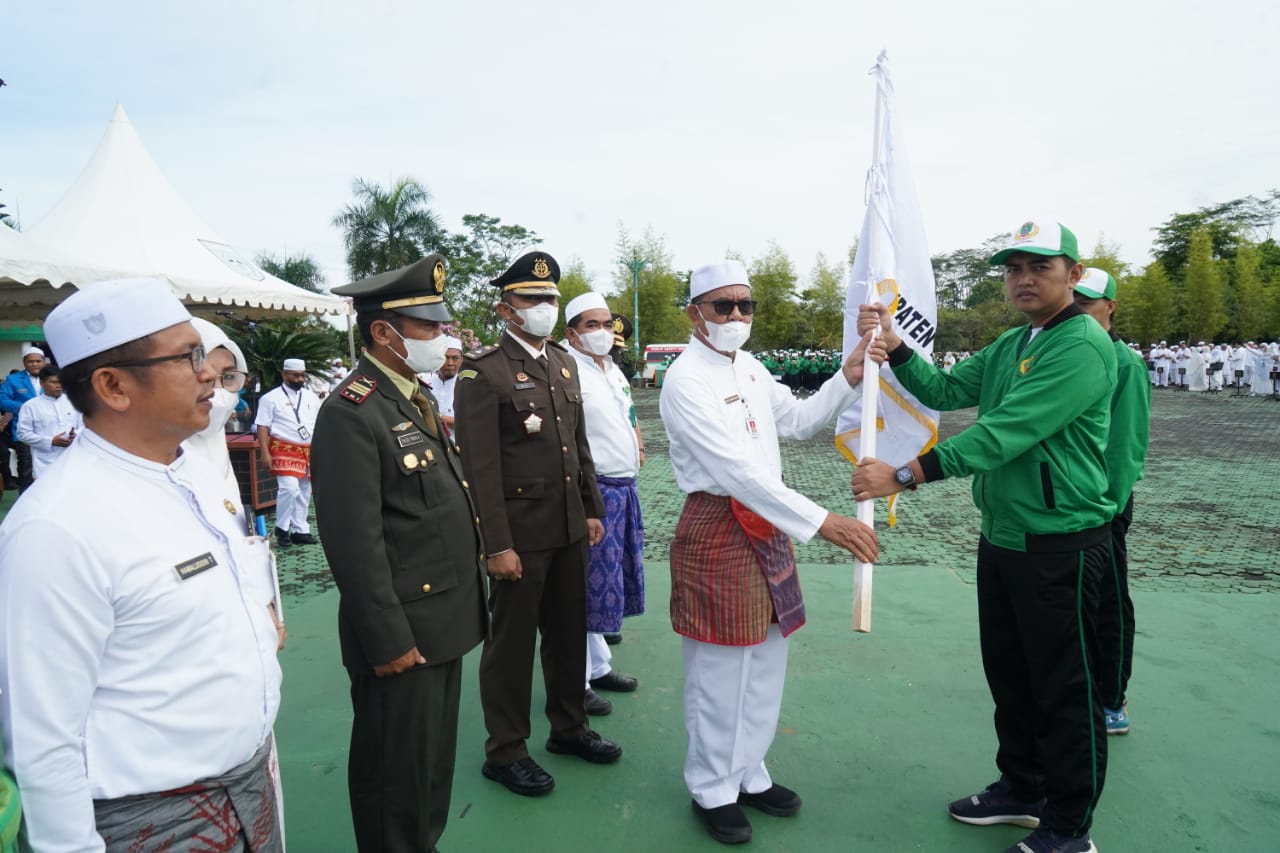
(524, 447)
(402, 538)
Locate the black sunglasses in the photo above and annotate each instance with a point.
(724, 307)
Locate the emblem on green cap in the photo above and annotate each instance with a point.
(1028, 230)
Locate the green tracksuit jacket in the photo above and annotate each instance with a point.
(1036, 452)
(1126, 452)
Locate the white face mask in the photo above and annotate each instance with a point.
(538, 320)
(728, 337)
(423, 356)
(224, 403)
(599, 342)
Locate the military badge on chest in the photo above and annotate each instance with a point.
(533, 424)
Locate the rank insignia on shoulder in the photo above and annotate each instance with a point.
(401, 427)
(467, 374)
(359, 389)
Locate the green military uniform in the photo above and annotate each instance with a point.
(401, 537)
(524, 446)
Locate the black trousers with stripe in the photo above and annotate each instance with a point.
(1037, 615)
(1115, 616)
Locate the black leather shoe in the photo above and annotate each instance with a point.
(777, 801)
(595, 704)
(613, 639)
(303, 539)
(615, 681)
(523, 777)
(588, 746)
(727, 824)
(282, 538)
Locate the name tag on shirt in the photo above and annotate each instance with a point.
(410, 438)
(195, 566)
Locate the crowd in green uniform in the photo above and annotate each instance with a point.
(801, 370)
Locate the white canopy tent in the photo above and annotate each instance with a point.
(34, 278)
(122, 217)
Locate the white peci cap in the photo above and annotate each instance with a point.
(714, 276)
(106, 314)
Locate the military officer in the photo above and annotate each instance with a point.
(402, 538)
(524, 446)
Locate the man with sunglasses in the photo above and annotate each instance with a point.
(735, 593)
(138, 674)
(285, 423)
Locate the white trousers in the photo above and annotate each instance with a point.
(732, 698)
(598, 656)
(293, 497)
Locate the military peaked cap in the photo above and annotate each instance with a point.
(532, 274)
(414, 291)
(621, 330)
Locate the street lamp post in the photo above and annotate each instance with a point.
(635, 263)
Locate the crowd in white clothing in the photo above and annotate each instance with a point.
(1250, 367)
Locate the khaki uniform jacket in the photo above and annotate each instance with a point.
(398, 525)
(524, 447)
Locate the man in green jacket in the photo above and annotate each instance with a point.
(1036, 453)
(1126, 455)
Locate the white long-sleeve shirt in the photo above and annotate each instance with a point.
(723, 419)
(289, 415)
(120, 677)
(42, 419)
(609, 416)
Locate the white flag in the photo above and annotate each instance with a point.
(892, 266)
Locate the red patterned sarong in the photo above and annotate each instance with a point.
(237, 812)
(289, 459)
(732, 574)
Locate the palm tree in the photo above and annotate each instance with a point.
(387, 229)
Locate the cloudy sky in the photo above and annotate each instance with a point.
(720, 125)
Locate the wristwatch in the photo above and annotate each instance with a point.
(905, 478)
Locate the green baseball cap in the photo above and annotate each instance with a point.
(1096, 284)
(1040, 237)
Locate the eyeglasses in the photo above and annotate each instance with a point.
(724, 307)
(195, 356)
(232, 380)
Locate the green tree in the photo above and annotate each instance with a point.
(822, 304)
(477, 254)
(773, 287)
(8, 219)
(1204, 314)
(1226, 224)
(385, 229)
(1145, 309)
(300, 270)
(573, 283)
(664, 291)
(1248, 301)
(268, 343)
(1106, 256)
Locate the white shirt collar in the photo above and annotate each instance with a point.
(536, 353)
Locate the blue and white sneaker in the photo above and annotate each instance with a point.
(1117, 720)
(1048, 841)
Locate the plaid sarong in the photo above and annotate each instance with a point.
(232, 813)
(732, 574)
(615, 570)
